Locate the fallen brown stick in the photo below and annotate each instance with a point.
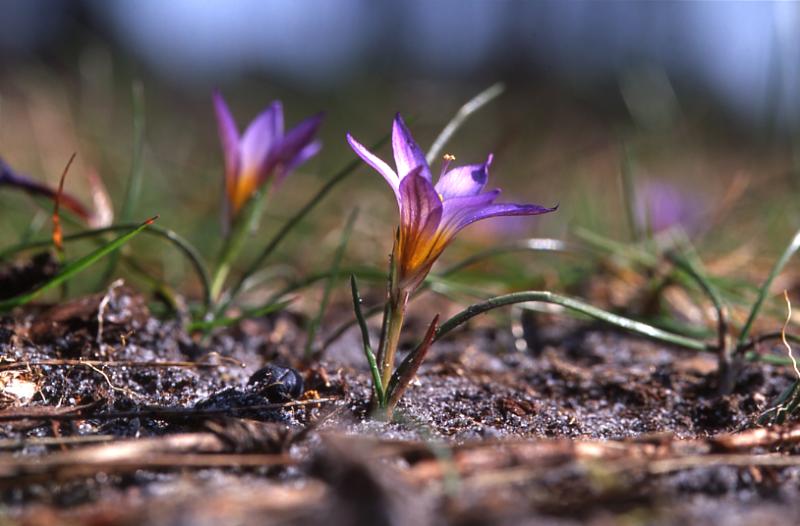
(190, 450)
(46, 412)
(21, 443)
(760, 437)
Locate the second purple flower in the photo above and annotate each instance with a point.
(262, 152)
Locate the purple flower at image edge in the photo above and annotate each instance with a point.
(9, 177)
(262, 152)
(431, 215)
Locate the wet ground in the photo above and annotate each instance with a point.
(110, 416)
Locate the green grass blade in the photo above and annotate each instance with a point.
(764, 290)
(474, 104)
(340, 176)
(604, 244)
(375, 274)
(248, 314)
(332, 278)
(242, 228)
(772, 359)
(134, 188)
(572, 304)
(74, 268)
(629, 197)
(532, 244)
(694, 270)
(166, 234)
(696, 273)
(368, 273)
(377, 382)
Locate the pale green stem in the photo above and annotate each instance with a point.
(396, 314)
(220, 275)
(245, 222)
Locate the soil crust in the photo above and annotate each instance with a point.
(111, 416)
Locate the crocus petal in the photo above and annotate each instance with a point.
(457, 209)
(500, 209)
(420, 205)
(407, 154)
(228, 135)
(309, 151)
(420, 215)
(245, 186)
(381, 167)
(660, 206)
(259, 138)
(285, 150)
(464, 181)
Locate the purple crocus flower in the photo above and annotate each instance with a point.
(661, 205)
(262, 152)
(431, 215)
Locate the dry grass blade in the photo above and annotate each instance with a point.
(670, 465)
(783, 333)
(46, 412)
(194, 450)
(22, 443)
(58, 233)
(764, 437)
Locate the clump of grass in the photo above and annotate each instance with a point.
(425, 229)
(77, 266)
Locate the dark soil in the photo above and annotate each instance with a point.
(585, 425)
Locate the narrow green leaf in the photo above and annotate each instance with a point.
(75, 267)
(370, 355)
(244, 224)
(532, 244)
(773, 359)
(464, 112)
(634, 326)
(368, 273)
(332, 278)
(166, 234)
(392, 321)
(629, 197)
(694, 270)
(631, 252)
(764, 290)
(136, 174)
(134, 188)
